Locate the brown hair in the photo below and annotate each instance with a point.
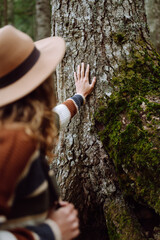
(34, 112)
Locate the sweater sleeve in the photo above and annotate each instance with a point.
(68, 109)
(48, 230)
(17, 153)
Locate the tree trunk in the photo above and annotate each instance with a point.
(153, 19)
(103, 34)
(5, 10)
(43, 18)
(10, 12)
(1, 13)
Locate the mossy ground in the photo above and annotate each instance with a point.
(128, 124)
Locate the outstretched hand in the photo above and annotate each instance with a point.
(82, 81)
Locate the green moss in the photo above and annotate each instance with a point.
(119, 38)
(121, 224)
(127, 123)
(112, 230)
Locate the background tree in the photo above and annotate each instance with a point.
(10, 11)
(19, 13)
(3, 12)
(43, 19)
(115, 184)
(30, 16)
(24, 16)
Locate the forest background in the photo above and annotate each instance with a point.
(115, 191)
(19, 13)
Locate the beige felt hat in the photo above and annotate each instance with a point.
(24, 65)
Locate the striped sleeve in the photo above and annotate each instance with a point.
(7, 235)
(48, 230)
(68, 109)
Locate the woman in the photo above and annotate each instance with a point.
(30, 208)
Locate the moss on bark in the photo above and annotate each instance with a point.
(128, 125)
(121, 223)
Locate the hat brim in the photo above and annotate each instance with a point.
(52, 50)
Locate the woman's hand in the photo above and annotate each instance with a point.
(82, 81)
(66, 218)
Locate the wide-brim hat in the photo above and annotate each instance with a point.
(25, 64)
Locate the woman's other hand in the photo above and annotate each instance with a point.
(66, 218)
(82, 81)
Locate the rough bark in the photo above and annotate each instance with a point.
(153, 19)
(101, 33)
(43, 18)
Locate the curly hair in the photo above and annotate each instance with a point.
(34, 112)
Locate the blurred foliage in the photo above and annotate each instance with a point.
(19, 13)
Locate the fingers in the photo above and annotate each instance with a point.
(75, 224)
(93, 82)
(69, 208)
(72, 219)
(66, 218)
(82, 80)
(70, 212)
(82, 70)
(87, 71)
(75, 77)
(73, 215)
(78, 72)
(75, 233)
(92, 85)
(63, 203)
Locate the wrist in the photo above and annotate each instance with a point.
(83, 96)
(55, 228)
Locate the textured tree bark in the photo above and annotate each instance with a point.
(43, 18)
(101, 33)
(153, 19)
